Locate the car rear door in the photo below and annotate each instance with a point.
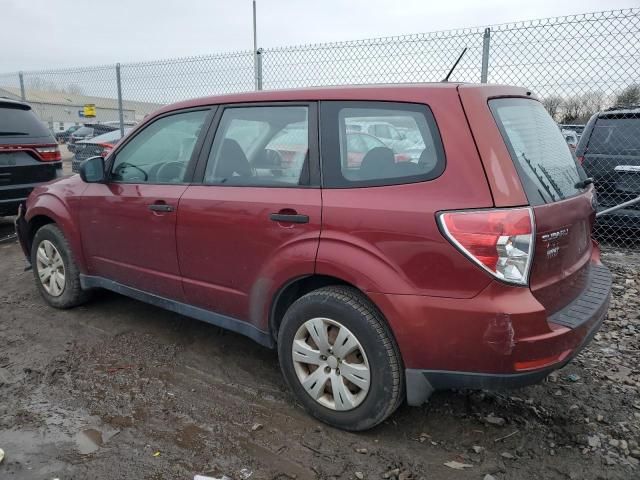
(528, 162)
(253, 222)
(128, 223)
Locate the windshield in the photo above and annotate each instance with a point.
(542, 157)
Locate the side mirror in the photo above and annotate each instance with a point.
(92, 170)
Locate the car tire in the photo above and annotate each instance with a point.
(359, 342)
(55, 270)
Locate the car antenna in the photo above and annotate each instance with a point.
(446, 79)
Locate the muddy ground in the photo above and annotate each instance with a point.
(119, 389)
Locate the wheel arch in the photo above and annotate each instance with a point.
(48, 209)
(297, 287)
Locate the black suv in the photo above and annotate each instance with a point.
(609, 151)
(29, 154)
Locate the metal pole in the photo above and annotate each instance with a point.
(256, 54)
(120, 112)
(259, 69)
(485, 55)
(628, 203)
(22, 92)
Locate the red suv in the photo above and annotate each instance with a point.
(469, 266)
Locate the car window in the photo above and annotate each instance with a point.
(615, 136)
(112, 136)
(82, 131)
(20, 122)
(373, 160)
(539, 151)
(161, 151)
(260, 146)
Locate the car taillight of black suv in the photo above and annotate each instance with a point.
(29, 154)
(609, 151)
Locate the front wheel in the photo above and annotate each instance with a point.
(56, 273)
(338, 356)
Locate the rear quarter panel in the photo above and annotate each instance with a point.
(501, 173)
(386, 239)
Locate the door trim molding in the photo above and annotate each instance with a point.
(217, 319)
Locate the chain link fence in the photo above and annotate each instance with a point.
(579, 66)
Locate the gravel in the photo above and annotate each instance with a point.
(119, 389)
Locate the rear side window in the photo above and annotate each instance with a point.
(18, 122)
(263, 146)
(615, 136)
(362, 145)
(546, 167)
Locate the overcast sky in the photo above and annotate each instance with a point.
(42, 34)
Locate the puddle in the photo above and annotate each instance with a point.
(90, 440)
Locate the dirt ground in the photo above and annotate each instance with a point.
(118, 389)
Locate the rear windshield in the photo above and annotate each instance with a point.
(546, 167)
(17, 122)
(615, 136)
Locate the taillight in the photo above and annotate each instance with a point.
(498, 240)
(49, 154)
(106, 149)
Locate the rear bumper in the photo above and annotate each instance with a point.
(11, 196)
(502, 338)
(422, 383)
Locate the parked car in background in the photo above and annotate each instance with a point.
(63, 137)
(575, 127)
(384, 131)
(571, 137)
(609, 152)
(116, 123)
(29, 154)
(377, 281)
(88, 131)
(97, 146)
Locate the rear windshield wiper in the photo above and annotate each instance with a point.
(553, 183)
(538, 176)
(584, 183)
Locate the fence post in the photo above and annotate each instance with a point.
(258, 60)
(22, 92)
(485, 55)
(120, 112)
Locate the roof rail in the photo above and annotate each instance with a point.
(622, 107)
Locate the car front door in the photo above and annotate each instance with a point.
(128, 223)
(254, 221)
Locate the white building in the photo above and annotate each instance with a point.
(60, 110)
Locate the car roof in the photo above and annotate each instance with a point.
(9, 102)
(619, 111)
(402, 92)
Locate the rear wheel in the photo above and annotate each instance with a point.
(56, 273)
(340, 359)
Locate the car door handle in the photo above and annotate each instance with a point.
(161, 207)
(289, 218)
